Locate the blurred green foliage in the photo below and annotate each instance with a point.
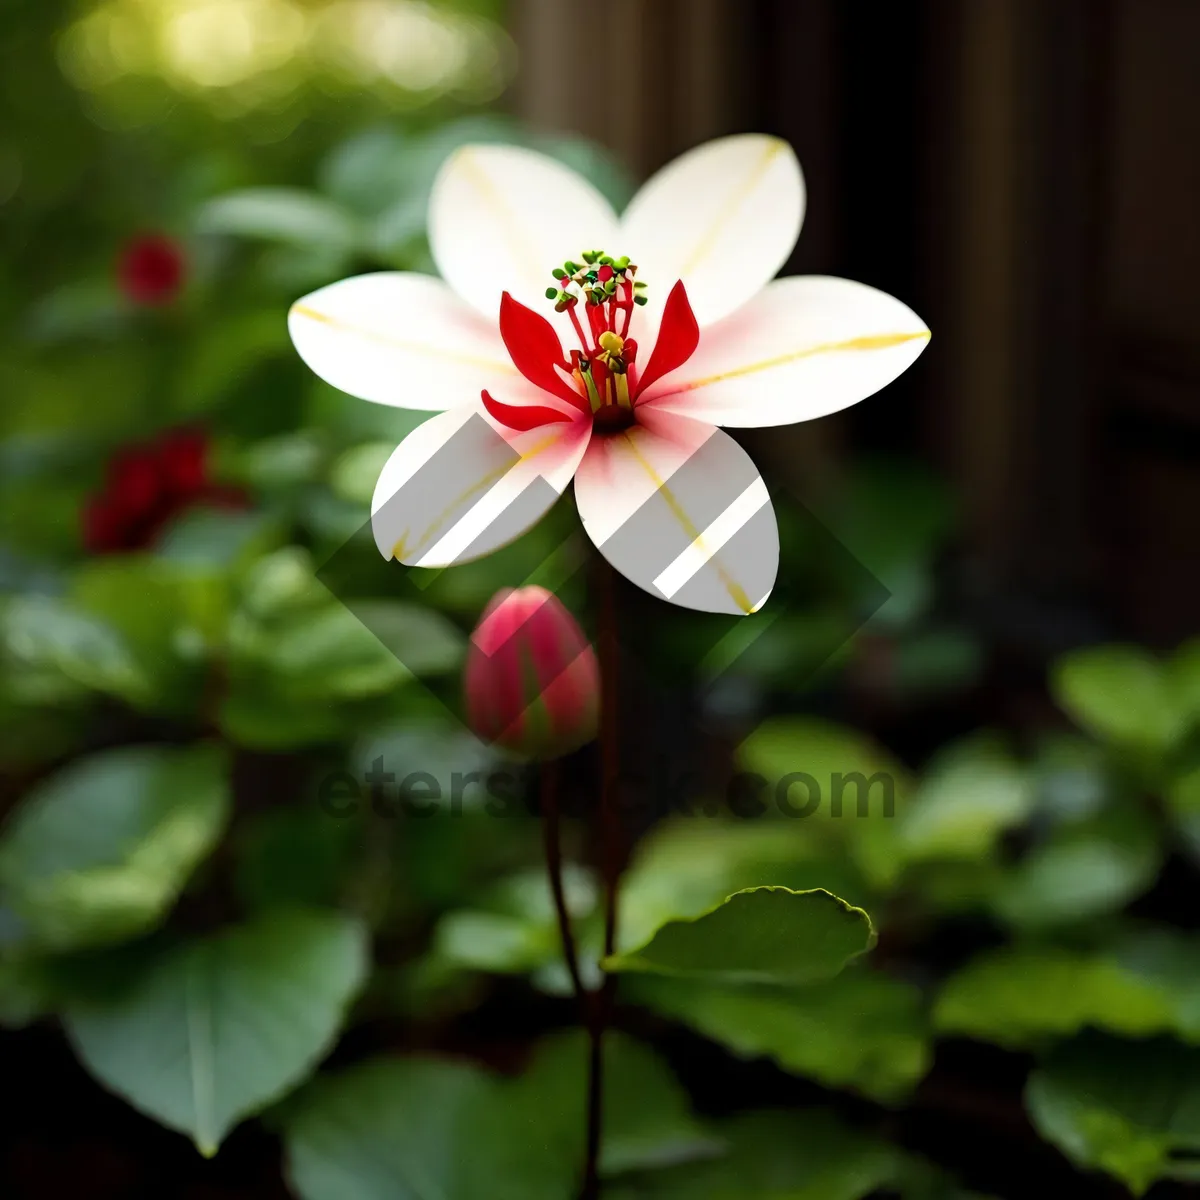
(174, 890)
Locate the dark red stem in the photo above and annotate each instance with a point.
(610, 850)
(552, 839)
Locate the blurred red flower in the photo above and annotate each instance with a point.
(146, 486)
(151, 269)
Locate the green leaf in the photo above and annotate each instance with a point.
(1070, 775)
(279, 214)
(805, 1154)
(863, 791)
(287, 460)
(354, 474)
(215, 1030)
(499, 942)
(862, 1030)
(367, 171)
(170, 616)
(1020, 997)
(1120, 694)
(1083, 871)
(1184, 673)
(216, 539)
(647, 1118)
(972, 795)
(685, 867)
(760, 935)
(517, 931)
(99, 852)
(321, 654)
(423, 640)
(1129, 1108)
(44, 633)
(1170, 960)
(396, 1130)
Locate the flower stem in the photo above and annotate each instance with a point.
(610, 851)
(552, 838)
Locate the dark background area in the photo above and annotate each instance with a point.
(1024, 173)
(1027, 173)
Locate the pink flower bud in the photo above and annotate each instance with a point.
(532, 682)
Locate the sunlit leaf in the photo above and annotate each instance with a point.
(1120, 694)
(1023, 997)
(760, 935)
(279, 214)
(100, 851)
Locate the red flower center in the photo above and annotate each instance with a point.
(602, 377)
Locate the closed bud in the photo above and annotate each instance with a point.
(532, 683)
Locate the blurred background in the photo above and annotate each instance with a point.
(177, 683)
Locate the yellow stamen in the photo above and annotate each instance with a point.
(623, 398)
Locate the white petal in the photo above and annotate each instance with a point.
(501, 218)
(809, 345)
(723, 218)
(460, 486)
(399, 338)
(679, 508)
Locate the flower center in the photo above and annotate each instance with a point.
(607, 355)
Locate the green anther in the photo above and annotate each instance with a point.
(589, 256)
(571, 267)
(585, 371)
(559, 273)
(610, 287)
(641, 300)
(552, 293)
(606, 260)
(637, 283)
(622, 262)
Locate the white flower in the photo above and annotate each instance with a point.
(679, 327)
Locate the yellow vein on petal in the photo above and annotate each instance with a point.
(385, 339)
(736, 592)
(707, 243)
(401, 548)
(878, 341)
(524, 252)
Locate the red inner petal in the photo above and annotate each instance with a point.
(535, 349)
(678, 337)
(522, 416)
